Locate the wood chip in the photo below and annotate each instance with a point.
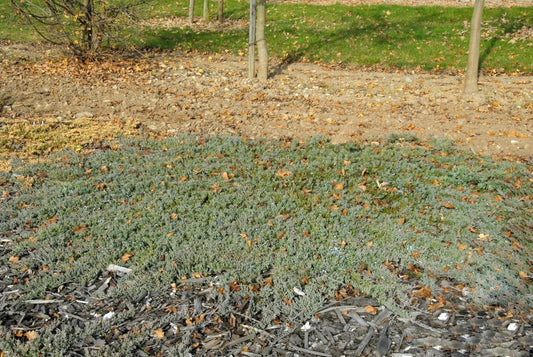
(365, 341)
(314, 353)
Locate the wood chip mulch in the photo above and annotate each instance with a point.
(196, 318)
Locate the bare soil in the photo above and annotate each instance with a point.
(205, 94)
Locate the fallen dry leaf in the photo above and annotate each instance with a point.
(126, 257)
(31, 335)
(371, 309)
(159, 334)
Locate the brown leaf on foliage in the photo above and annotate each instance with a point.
(234, 286)
(13, 260)
(423, 292)
(461, 246)
(338, 186)
(389, 265)
(287, 301)
(82, 228)
(126, 257)
(401, 220)
(31, 335)
(447, 205)
(173, 216)
(281, 173)
(415, 255)
(441, 302)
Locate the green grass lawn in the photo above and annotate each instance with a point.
(273, 216)
(383, 36)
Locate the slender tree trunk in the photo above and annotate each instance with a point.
(206, 11)
(251, 41)
(89, 25)
(221, 11)
(191, 11)
(472, 68)
(262, 68)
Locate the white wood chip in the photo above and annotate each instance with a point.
(108, 316)
(444, 316)
(513, 326)
(306, 327)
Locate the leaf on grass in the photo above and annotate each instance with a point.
(401, 220)
(338, 186)
(415, 255)
(82, 228)
(234, 286)
(126, 257)
(31, 335)
(447, 205)
(281, 173)
(13, 260)
(462, 246)
(484, 237)
(523, 274)
(371, 309)
(173, 216)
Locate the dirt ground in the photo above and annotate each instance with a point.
(211, 94)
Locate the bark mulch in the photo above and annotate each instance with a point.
(195, 318)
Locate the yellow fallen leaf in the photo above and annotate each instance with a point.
(371, 309)
(522, 274)
(126, 257)
(159, 333)
(462, 246)
(484, 236)
(31, 335)
(339, 186)
(281, 173)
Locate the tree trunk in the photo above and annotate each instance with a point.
(251, 41)
(191, 11)
(262, 68)
(206, 11)
(221, 11)
(89, 26)
(473, 49)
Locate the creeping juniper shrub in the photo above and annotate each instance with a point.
(305, 215)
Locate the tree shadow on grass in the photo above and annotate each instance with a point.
(509, 28)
